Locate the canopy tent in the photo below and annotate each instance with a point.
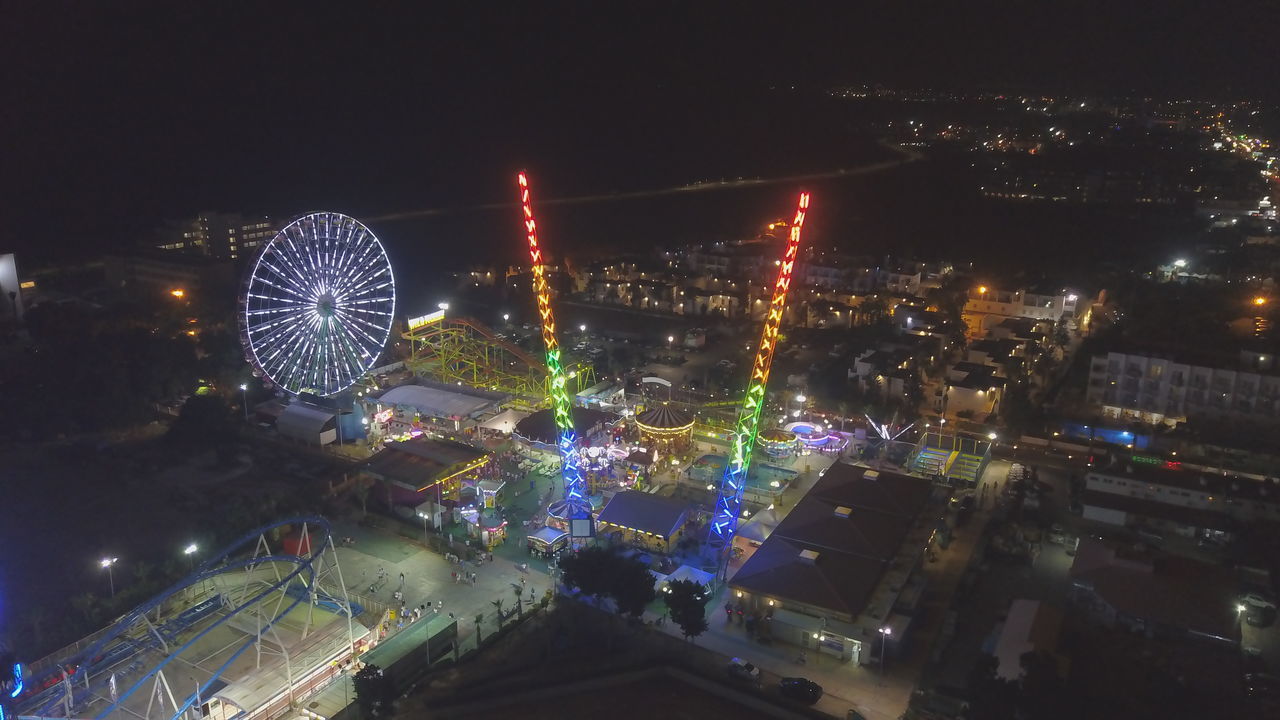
(760, 526)
(306, 423)
(505, 421)
(688, 572)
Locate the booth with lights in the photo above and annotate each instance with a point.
(422, 469)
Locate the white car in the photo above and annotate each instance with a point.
(1258, 601)
(739, 668)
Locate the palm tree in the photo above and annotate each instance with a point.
(34, 619)
(86, 603)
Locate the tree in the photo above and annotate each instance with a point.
(601, 572)
(687, 602)
(87, 604)
(588, 570)
(205, 421)
(374, 691)
(361, 488)
(632, 587)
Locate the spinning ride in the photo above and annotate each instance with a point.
(318, 305)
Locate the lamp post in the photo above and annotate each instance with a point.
(108, 563)
(885, 632)
(244, 400)
(190, 551)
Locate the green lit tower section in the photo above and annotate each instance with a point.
(729, 499)
(574, 507)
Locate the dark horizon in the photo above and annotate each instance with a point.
(126, 119)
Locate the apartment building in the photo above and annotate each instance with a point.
(223, 235)
(1152, 493)
(987, 307)
(1156, 390)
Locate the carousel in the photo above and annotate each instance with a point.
(778, 443)
(665, 429)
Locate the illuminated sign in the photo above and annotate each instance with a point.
(415, 323)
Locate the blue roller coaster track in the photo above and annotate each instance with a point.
(92, 669)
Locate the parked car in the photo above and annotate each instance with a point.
(1261, 685)
(1259, 616)
(1257, 600)
(743, 670)
(800, 689)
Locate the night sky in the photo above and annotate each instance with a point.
(117, 116)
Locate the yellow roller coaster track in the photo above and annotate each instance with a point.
(462, 350)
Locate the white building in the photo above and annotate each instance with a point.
(1161, 390)
(989, 306)
(1153, 494)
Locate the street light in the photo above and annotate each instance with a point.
(244, 400)
(801, 398)
(506, 317)
(582, 327)
(107, 563)
(190, 552)
(991, 436)
(671, 339)
(443, 305)
(885, 632)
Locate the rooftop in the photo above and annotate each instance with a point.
(1209, 483)
(644, 513)
(1166, 589)
(442, 401)
(422, 462)
(540, 427)
(1193, 517)
(833, 549)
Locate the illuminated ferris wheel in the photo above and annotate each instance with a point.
(317, 307)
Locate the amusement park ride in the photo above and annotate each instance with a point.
(724, 522)
(575, 507)
(466, 351)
